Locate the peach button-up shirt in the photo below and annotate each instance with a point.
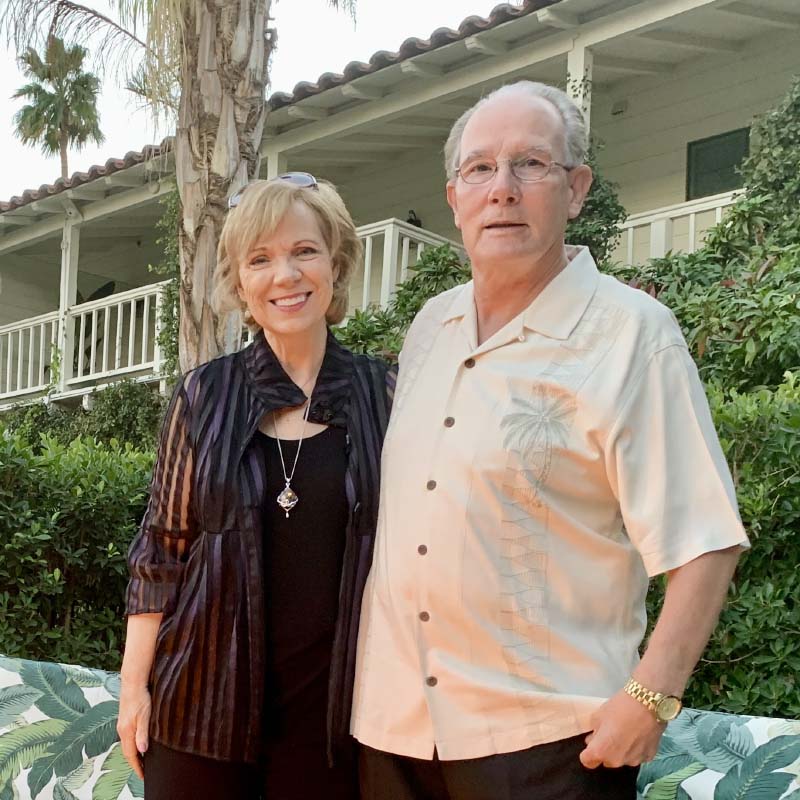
(530, 486)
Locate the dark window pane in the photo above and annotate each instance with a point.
(712, 164)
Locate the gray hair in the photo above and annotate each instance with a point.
(575, 143)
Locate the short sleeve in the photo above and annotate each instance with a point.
(667, 468)
(159, 551)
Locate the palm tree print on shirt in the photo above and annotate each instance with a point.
(539, 423)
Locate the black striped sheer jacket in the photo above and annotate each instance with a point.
(198, 554)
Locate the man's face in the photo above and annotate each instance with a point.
(506, 221)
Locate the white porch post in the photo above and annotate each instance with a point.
(580, 62)
(68, 293)
(391, 248)
(660, 237)
(277, 163)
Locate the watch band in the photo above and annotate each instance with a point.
(646, 697)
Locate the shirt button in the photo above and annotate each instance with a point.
(431, 681)
(449, 422)
(424, 616)
(521, 337)
(431, 485)
(422, 549)
(469, 363)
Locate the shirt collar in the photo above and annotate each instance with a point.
(558, 308)
(275, 389)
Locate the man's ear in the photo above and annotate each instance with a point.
(452, 202)
(580, 181)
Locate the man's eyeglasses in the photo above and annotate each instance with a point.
(528, 168)
(305, 180)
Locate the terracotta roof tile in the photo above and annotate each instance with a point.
(411, 47)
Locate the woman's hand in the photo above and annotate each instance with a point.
(133, 724)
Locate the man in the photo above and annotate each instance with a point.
(550, 448)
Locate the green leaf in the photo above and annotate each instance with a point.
(666, 788)
(136, 785)
(14, 700)
(114, 776)
(755, 778)
(79, 776)
(60, 792)
(21, 746)
(61, 697)
(95, 732)
(84, 677)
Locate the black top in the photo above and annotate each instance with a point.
(301, 551)
(198, 556)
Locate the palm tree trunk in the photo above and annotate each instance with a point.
(220, 123)
(62, 146)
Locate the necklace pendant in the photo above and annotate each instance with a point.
(287, 499)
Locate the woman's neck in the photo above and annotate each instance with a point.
(301, 354)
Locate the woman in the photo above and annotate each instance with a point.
(248, 570)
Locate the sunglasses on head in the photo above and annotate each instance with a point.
(305, 180)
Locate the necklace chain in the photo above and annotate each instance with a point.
(288, 498)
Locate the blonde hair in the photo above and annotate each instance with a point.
(261, 208)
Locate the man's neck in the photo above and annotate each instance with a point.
(501, 294)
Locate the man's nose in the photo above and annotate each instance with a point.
(504, 188)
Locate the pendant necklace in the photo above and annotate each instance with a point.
(287, 499)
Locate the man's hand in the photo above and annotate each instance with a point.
(624, 733)
(133, 724)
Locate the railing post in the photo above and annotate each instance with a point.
(660, 237)
(391, 246)
(157, 331)
(67, 297)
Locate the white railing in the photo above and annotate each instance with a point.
(391, 249)
(26, 350)
(115, 335)
(118, 335)
(652, 234)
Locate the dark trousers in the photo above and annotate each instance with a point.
(546, 772)
(297, 775)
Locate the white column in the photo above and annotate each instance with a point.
(580, 62)
(391, 247)
(68, 295)
(277, 163)
(660, 237)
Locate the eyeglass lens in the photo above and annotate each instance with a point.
(533, 166)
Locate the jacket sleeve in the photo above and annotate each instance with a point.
(157, 555)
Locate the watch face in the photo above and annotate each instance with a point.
(668, 708)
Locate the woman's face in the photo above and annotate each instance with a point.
(286, 279)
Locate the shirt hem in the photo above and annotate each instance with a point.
(495, 743)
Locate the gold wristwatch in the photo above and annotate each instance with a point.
(665, 707)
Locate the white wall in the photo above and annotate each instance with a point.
(28, 285)
(645, 148)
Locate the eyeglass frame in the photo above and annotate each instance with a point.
(510, 162)
(304, 180)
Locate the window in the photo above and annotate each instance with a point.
(712, 163)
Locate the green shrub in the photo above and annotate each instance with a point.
(67, 516)
(127, 412)
(752, 662)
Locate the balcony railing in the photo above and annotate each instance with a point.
(391, 248)
(26, 351)
(652, 234)
(116, 335)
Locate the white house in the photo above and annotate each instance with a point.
(675, 86)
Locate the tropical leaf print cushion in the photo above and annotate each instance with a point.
(58, 737)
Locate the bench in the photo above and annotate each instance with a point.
(58, 741)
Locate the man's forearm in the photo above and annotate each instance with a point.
(693, 600)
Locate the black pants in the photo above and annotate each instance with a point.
(545, 772)
(296, 775)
